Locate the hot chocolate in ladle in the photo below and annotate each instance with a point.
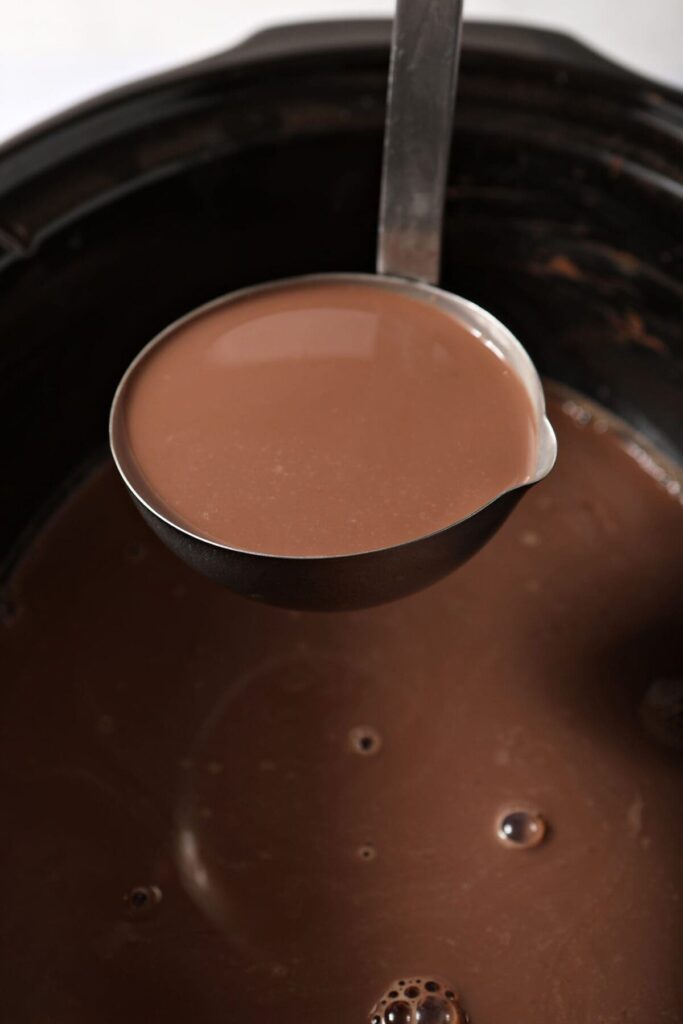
(421, 94)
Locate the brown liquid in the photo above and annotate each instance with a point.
(324, 419)
(218, 811)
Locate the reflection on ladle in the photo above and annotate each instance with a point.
(420, 356)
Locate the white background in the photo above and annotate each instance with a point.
(54, 53)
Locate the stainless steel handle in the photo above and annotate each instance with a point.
(423, 74)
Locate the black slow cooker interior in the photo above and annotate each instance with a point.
(564, 217)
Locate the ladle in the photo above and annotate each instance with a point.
(421, 94)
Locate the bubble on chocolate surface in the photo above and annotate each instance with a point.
(521, 829)
(423, 1000)
(436, 1009)
(365, 740)
(661, 712)
(142, 898)
(399, 1012)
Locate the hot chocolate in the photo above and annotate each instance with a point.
(220, 811)
(323, 419)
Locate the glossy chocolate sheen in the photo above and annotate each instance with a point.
(322, 419)
(218, 811)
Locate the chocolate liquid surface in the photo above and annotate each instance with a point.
(216, 811)
(323, 419)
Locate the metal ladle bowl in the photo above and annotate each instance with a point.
(422, 80)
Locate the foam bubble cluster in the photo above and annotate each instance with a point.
(428, 1000)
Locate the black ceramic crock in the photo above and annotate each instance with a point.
(564, 218)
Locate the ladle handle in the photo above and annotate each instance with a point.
(423, 74)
